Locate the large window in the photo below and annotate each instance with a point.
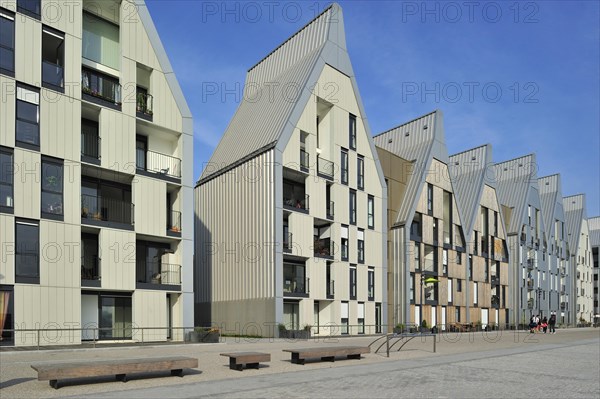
(115, 317)
(344, 166)
(417, 256)
(33, 8)
(360, 172)
(27, 265)
(352, 131)
(371, 212)
(371, 282)
(6, 180)
(353, 282)
(447, 218)
(344, 327)
(416, 228)
(344, 239)
(294, 279)
(53, 59)
(7, 43)
(429, 199)
(6, 315)
(28, 117)
(450, 293)
(352, 207)
(100, 41)
(361, 318)
(52, 188)
(361, 246)
(411, 287)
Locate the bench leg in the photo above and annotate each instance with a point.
(121, 377)
(234, 366)
(328, 359)
(252, 366)
(296, 359)
(177, 372)
(354, 356)
(54, 384)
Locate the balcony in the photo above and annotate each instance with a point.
(100, 89)
(287, 242)
(530, 264)
(174, 224)
(106, 211)
(154, 164)
(304, 160)
(143, 104)
(150, 273)
(296, 203)
(53, 76)
(496, 301)
(331, 289)
(90, 147)
(495, 280)
(90, 271)
(325, 168)
(330, 210)
(324, 248)
(295, 282)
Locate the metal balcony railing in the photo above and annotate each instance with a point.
(90, 145)
(324, 248)
(155, 162)
(295, 285)
(325, 167)
(90, 268)
(53, 74)
(330, 210)
(287, 242)
(144, 103)
(296, 203)
(304, 159)
(174, 222)
(106, 209)
(100, 86)
(155, 272)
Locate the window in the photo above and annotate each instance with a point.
(447, 218)
(32, 8)
(436, 231)
(470, 270)
(294, 279)
(6, 180)
(352, 281)
(27, 127)
(458, 285)
(415, 228)
(27, 265)
(344, 167)
(100, 41)
(417, 256)
(495, 223)
(458, 258)
(429, 199)
(457, 314)
(411, 285)
(475, 293)
(361, 317)
(344, 237)
(360, 172)
(486, 271)
(361, 246)
(52, 188)
(316, 317)
(352, 207)
(116, 321)
(330, 282)
(7, 43)
(445, 262)
(53, 58)
(344, 318)
(90, 140)
(352, 131)
(450, 293)
(371, 282)
(371, 212)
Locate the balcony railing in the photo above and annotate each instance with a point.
(324, 248)
(174, 222)
(96, 208)
(53, 74)
(101, 86)
(331, 289)
(325, 168)
(296, 203)
(90, 268)
(495, 301)
(153, 272)
(144, 103)
(157, 163)
(304, 160)
(90, 145)
(330, 210)
(495, 280)
(287, 242)
(296, 285)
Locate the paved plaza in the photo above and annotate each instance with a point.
(477, 365)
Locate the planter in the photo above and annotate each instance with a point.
(294, 334)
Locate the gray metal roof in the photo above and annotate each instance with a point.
(575, 212)
(515, 180)
(550, 194)
(266, 111)
(470, 171)
(419, 140)
(594, 226)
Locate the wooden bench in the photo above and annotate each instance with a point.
(119, 367)
(237, 360)
(327, 353)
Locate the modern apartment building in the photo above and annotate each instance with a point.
(96, 176)
(558, 255)
(426, 246)
(581, 257)
(594, 226)
(518, 191)
(290, 209)
(486, 287)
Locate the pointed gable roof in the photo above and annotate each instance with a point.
(267, 115)
(575, 212)
(594, 225)
(550, 194)
(470, 171)
(419, 140)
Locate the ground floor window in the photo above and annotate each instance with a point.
(6, 316)
(115, 317)
(291, 315)
(377, 318)
(316, 317)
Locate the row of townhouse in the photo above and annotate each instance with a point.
(305, 221)
(96, 183)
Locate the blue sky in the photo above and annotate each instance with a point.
(523, 76)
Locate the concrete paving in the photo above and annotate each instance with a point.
(477, 365)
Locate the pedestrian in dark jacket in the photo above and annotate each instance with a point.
(552, 323)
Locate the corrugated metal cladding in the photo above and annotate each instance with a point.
(514, 178)
(414, 141)
(550, 194)
(575, 212)
(469, 172)
(272, 91)
(594, 226)
(241, 203)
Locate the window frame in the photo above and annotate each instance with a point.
(352, 292)
(9, 172)
(430, 199)
(371, 283)
(46, 30)
(360, 172)
(360, 247)
(9, 16)
(371, 212)
(344, 166)
(352, 204)
(36, 91)
(54, 162)
(27, 11)
(352, 131)
(35, 279)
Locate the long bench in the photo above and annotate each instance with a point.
(118, 367)
(327, 353)
(237, 360)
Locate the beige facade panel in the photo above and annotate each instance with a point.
(7, 251)
(240, 316)
(8, 111)
(63, 15)
(28, 39)
(60, 255)
(117, 254)
(301, 226)
(72, 192)
(60, 131)
(149, 311)
(117, 133)
(27, 186)
(150, 198)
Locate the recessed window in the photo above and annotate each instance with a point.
(371, 212)
(6, 180)
(100, 41)
(52, 188)
(352, 131)
(430, 199)
(371, 283)
(361, 246)
(411, 286)
(53, 59)
(360, 173)
(344, 238)
(33, 8)
(7, 43)
(344, 166)
(27, 265)
(352, 207)
(361, 318)
(27, 127)
(353, 282)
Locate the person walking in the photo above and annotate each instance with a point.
(552, 323)
(545, 324)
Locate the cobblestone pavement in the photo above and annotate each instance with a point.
(466, 365)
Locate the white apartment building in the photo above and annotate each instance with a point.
(594, 226)
(96, 176)
(290, 219)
